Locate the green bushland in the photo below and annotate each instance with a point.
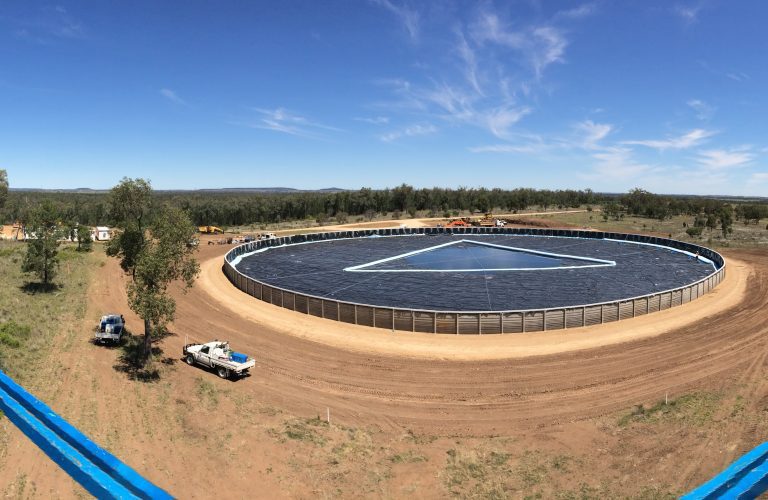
(235, 208)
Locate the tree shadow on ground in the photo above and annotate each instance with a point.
(33, 288)
(131, 360)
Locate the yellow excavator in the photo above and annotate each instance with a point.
(210, 230)
(487, 221)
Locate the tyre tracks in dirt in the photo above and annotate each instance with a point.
(483, 395)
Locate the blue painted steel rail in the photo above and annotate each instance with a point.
(745, 478)
(97, 470)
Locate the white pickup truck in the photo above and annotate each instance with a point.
(218, 356)
(110, 328)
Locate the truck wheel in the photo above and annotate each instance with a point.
(223, 372)
(190, 359)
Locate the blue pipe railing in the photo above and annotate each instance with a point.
(745, 478)
(97, 470)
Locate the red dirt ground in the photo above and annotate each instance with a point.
(172, 434)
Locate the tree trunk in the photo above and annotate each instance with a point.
(147, 340)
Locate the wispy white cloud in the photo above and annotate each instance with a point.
(588, 136)
(734, 75)
(467, 54)
(458, 106)
(408, 16)
(375, 120)
(593, 133)
(703, 110)
(737, 76)
(540, 46)
(453, 102)
(172, 96)
(409, 131)
(685, 141)
(500, 120)
(530, 148)
(63, 24)
(282, 120)
(551, 48)
(618, 163)
(498, 67)
(579, 12)
(489, 28)
(688, 13)
(721, 159)
(46, 24)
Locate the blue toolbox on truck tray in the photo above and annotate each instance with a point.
(238, 357)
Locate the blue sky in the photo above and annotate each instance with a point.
(663, 95)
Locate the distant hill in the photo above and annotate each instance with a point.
(75, 190)
(270, 190)
(214, 190)
(287, 190)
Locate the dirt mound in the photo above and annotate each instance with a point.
(538, 222)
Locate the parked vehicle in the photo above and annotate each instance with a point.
(110, 329)
(218, 356)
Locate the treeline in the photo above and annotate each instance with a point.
(235, 209)
(641, 203)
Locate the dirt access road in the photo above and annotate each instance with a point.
(471, 385)
(190, 422)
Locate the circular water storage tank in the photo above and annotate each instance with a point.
(474, 280)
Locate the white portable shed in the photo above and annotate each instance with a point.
(102, 233)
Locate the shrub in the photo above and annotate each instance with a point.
(12, 333)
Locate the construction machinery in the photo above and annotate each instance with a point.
(458, 223)
(210, 230)
(488, 220)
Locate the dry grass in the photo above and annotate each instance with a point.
(744, 235)
(697, 409)
(29, 321)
